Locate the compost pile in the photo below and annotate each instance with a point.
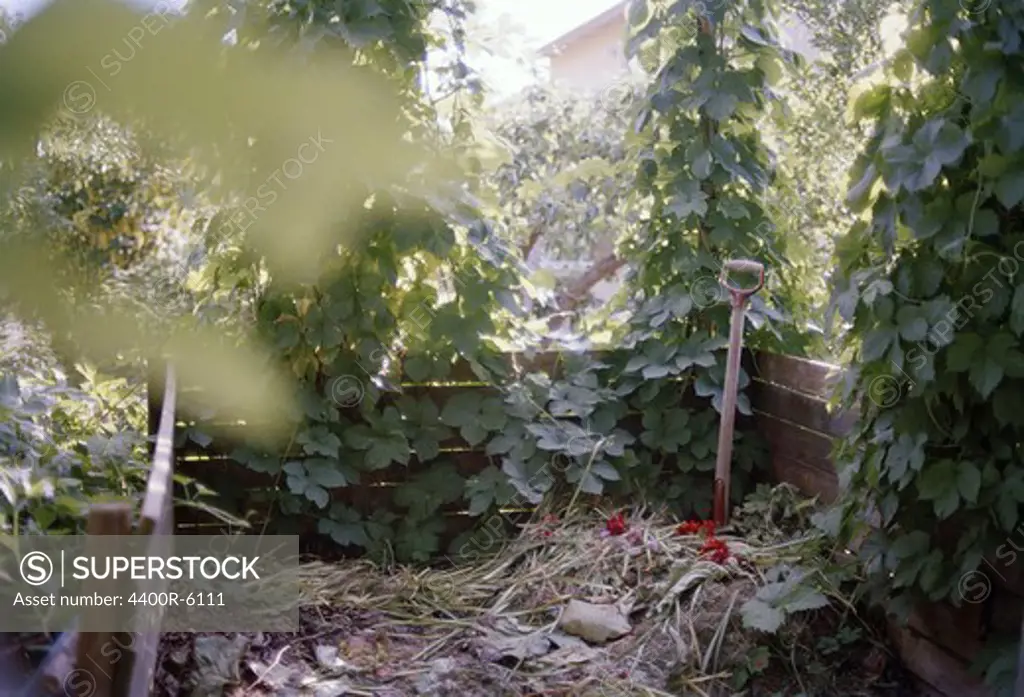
(589, 604)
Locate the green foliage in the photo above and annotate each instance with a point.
(381, 263)
(753, 666)
(213, 104)
(62, 448)
(786, 591)
(564, 189)
(930, 281)
(421, 291)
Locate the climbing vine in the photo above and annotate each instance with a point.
(705, 168)
(930, 280)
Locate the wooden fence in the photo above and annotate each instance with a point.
(787, 397)
(111, 664)
(243, 491)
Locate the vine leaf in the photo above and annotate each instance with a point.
(787, 591)
(1017, 311)
(912, 325)
(319, 441)
(331, 474)
(345, 526)
(666, 430)
(696, 353)
(969, 481)
(257, 462)
(423, 415)
(605, 471)
(418, 540)
(960, 355)
(489, 487)
(530, 486)
(425, 493)
(418, 368)
(709, 384)
(471, 414)
(939, 483)
(912, 544)
(587, 481)
(383, 440)
(1010, 188)
(761, 616)
(300, 484)
(688, 199)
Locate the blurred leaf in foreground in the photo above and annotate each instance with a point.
(309, 141)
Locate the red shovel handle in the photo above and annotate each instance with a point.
(742, 265)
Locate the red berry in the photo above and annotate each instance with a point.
(616, 525)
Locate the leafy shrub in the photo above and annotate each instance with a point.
(62, 448)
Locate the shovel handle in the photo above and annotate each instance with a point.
(742, 265)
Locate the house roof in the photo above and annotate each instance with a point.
(613, 13)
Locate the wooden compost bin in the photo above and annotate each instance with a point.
(940, 640)
(789, 400)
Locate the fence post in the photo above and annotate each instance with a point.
(156, 520)
(1019, 689)
(94, 657)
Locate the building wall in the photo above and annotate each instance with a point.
(594, 60)
(597, 59)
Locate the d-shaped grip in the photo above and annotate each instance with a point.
(742, 265)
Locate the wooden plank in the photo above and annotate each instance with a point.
(226, 445)
(957, 630)
(798, 456)
(809, 479)
(809, 377)
(1001, 567)
(348, 408)
(156, 506)
(933, 665)
(157, 521)
(926, 690)
(551, 363)
(1008, 608)
(798, 374)
(788, 439)
(104, 666)
(810, 412)
(258, 504)
(221, 469)
(456, 523)
(1019, 687)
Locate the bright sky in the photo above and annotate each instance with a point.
(28, 7)
(546, 19)
(512, 24)
(540, 21)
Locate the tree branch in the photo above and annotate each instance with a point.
(531, 241)
(573, 296)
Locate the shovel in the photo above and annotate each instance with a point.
(739, 297)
